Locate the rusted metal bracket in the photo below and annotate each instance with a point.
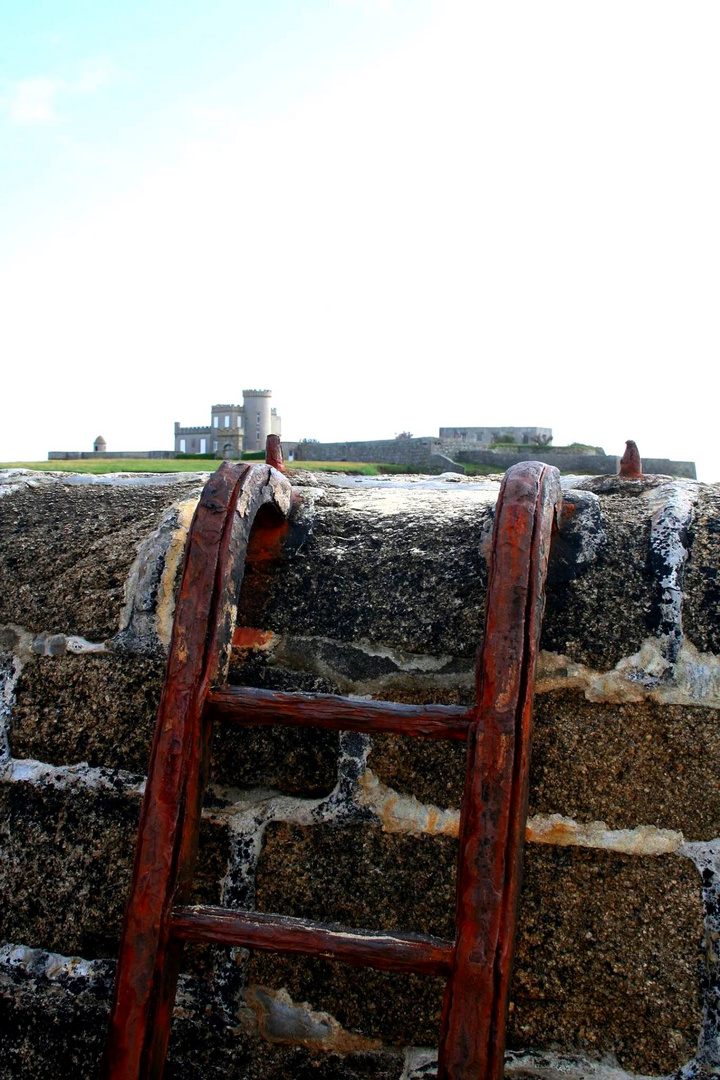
(494, 810)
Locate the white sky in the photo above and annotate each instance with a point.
(508, 213)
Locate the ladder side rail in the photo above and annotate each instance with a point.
(494, 807)
(144, 982)
(259, 486)
(196, 770)
(549, 506)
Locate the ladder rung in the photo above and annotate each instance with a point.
(392, 951)
(245, 705)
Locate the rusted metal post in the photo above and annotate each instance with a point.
(630, 463)
(273, 453)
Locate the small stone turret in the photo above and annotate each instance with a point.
(99, 446)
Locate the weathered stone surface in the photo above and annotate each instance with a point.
(607, 957)
(66, 864)
(375, 566)
(65, 552)
(52, 1026)
(290, 760)
(627, 764)
(295, 761)
(301, 872)
(54, 1012)
(632, 926)
(399, 1009)
(701, 605)
(581, 616)
(99, 709)
(379, 591)
(434, 772)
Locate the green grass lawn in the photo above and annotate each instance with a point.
(186, 464)
(115, 465)
(163, 465)
(356, 468)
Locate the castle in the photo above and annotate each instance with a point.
(232, 428)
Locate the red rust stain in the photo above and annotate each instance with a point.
(266, 540)
(561, 834)
(247, 637)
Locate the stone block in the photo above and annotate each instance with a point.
(294, 761)
(99, 709)
(65, 552)
(606, 956)
(431, 771)
(581, 614)
(372, 571)
(67, 861)
(701, 588)
(640, 763)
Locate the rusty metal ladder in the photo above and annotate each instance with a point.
(477, 964)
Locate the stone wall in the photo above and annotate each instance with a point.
(430, 453)
(565, 460)
(388, 451)
(91, 455)
(488, 435)
(379, 592)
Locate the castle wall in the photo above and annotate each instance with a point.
(415, 452)
(91, 455)
(430, 453)
(379, 591)
(566, 461)
(487, 435)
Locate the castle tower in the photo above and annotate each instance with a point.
(257, 416)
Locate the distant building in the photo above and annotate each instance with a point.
(232, 428)
(522, 436)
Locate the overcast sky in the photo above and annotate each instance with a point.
(396, 214)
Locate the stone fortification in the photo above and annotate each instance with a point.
(414, 452)
(537, 436)
(439, 454)
(232, 428)
(101, 455)
(567, 460)
(379, 592)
